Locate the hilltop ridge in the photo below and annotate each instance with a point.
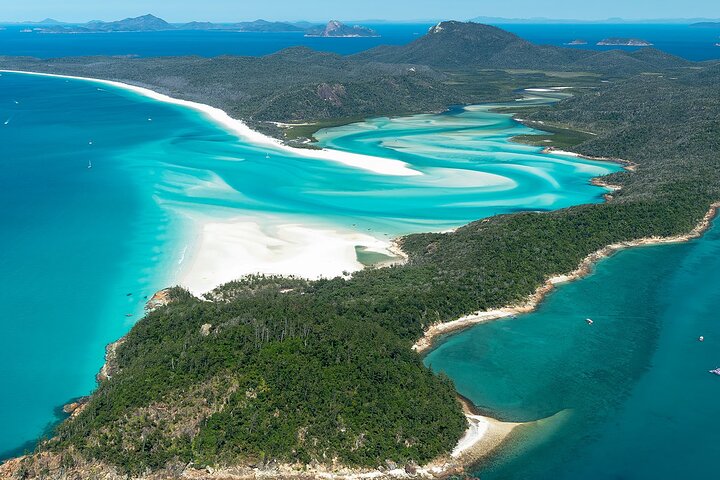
(458, 45)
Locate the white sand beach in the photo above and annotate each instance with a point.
(226, 250)
(382, 166)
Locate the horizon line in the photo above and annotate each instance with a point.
(490, 19)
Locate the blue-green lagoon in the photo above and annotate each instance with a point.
(108, 196)
(633, 390)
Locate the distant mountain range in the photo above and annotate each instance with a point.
(151, 23)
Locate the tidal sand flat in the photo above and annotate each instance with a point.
(109, 194)
(629, 396)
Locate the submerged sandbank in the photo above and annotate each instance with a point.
(382, 166)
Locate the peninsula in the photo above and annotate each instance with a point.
(274, 376)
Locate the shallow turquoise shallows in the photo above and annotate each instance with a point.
(629, 397)
(82, 248)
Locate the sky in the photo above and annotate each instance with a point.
(316, 10)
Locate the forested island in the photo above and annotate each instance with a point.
(270, 371)
(624, 42)
(339, 29)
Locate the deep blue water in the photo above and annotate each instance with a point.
(205, 44)
(629, 397)
(683, 40)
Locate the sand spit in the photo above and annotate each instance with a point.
(378, 165)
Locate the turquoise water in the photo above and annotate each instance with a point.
(82, 247)
(633, 390)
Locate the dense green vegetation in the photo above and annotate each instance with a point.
(466, 46)
(297, 371)
(276, 376)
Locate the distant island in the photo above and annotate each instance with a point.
(706, 25)
(624, 42)
(151, 23)
(339, 29)
(577, 42)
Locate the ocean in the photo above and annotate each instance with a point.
(83, 248)
(683, 40)
(628, 397)
(692, 43)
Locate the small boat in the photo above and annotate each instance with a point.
(267, 155)
(589, 321)
(716, 371)
(701, 339)
(89, 163)
(7, 121)
(129, 315)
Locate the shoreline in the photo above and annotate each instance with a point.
(224, 251)
(627, 164)
(282, 246)
(531, 302)
(484, 434)
(378, 165)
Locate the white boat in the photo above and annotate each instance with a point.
(89, 163)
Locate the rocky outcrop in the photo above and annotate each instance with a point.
(75, 407)
(339, 29)
(331, 93)
(110, 367)
(160, 299)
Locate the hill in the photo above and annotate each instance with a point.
(143, 23)
(457, 45)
